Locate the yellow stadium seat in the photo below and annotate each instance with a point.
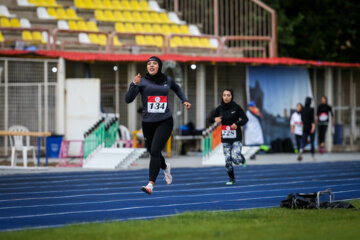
(158, 41)
(52, 12)
(128, 16)
(155, 17)
(32, 2)
(61, 14)
(119, 17)
(88, 4)
(98, 4)
(187, 42)
(164, 17)
(79, 4)
(134, 5)
(4, 22)
(125, 5)
(1, 38)
(144, 6)
(99, 15)
(108, 4)
(196, 42)
(148, 28)
(184, 29)
(102, 39)
(93, 38)
(149, 40)
(82, 26)
(117, 43)
(71, 14)
(157, 28)
(205, 42)
(37, 37)
(146, 17)
(73, 25)
(175, 29)
(139, 28)
(120, 27)
(166, 29)
(176, 42)
(117, 5)
(91, 26)
(137, 17)
(26, 36)
(52, 3)
(140, 40)
(129, 28)
(15, 23)
(109, 16)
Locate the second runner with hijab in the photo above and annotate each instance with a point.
(232, 117)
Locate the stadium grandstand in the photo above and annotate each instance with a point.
(205, 45)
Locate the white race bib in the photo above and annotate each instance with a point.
(323, 117)
(227, 132)
(157, 104)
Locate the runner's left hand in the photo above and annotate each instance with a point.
(187, 105)
(234, 126)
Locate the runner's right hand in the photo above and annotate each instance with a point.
(137, 79)
(218, 119)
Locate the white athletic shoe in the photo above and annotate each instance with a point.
(167, 172)
(148, 188)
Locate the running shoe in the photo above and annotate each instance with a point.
(167, 172)
(147, 189)
(300, 157)
(243, 160)
(231, 182)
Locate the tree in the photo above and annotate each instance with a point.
(318, 29)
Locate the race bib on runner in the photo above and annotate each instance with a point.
(228, 132)
(157, 104)
(323, 117)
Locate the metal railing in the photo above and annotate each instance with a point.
(229, 18)
(11, 29)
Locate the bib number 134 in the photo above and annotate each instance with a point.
(157, 104)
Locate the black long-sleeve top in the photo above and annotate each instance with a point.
(231, 114)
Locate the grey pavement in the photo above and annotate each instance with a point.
(194, 161)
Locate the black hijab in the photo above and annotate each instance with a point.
(229, 104)
(159, 77)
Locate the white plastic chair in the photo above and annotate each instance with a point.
(25, 23)
(125, 137)
(17, 144)
(43, 14)
(62, 24)
(84, 38)
(175, 19)
(24, 3)
(5, 12)
(153, 5)
(194, 30)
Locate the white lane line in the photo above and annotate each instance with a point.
(126, 219)
(170, 191)
(195, 183)
(192, 173)
(130, 172)
(117, 181)
(180, 196)
(138, 207)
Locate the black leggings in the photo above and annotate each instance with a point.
(322, 132)
(298, 141)
(156, 135)
(304, 138)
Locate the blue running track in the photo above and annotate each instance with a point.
(57, 199)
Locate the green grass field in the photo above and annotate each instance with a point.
(271, 223)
